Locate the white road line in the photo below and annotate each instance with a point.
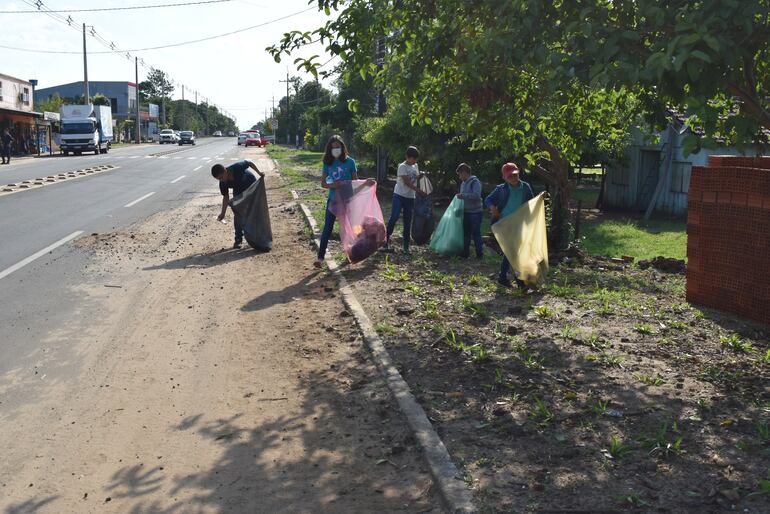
(163, 157)
(191, 158)
(39, 254)
(176, 157)
(178, 179)
(199, 167)
(149, 156)
(134, 156)
(139, 200)
(233, 158)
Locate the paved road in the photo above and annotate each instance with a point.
(39, 271)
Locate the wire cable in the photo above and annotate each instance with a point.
(171, 45)
(126, 8)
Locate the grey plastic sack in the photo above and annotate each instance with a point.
(251, 207)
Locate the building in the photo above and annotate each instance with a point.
(650, 177)
(16, 114)
(122, 95)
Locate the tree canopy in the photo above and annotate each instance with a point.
(468, 68)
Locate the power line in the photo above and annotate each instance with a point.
(127, 8)
(172, 45)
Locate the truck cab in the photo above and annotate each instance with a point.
(86, 128)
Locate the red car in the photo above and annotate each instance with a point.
(253, 140)
(256, 140)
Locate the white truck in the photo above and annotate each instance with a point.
(86, 128)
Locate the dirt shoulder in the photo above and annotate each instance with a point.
(213, 380)
(604, 391)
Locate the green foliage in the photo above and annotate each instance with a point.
(158, 84)
(735, 343)
(51, 104)
(540, 412)
(481, 73)
(100, 99)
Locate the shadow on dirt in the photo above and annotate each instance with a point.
(207, 260)
(343, 449)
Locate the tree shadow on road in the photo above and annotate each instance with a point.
(207, 259)
(339, 445)
(311, 285)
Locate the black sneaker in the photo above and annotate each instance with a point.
(237, 244)
(504, 282)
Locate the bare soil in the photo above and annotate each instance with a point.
(213, 380)
(604, 391)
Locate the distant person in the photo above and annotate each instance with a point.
(7, 143)
(403, 195)
(470, 193)
(504, 200)
(338, 168)
(238, 178)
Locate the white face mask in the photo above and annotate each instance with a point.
(336, 152)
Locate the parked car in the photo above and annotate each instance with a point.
(218, 133)
(167, 136)
(243, 136)
(253, 139)
(231, 133)
(186, 137)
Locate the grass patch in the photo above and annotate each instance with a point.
(642, 240)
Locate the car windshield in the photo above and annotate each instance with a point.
(187, 133)
(167, 132)
(85, 127)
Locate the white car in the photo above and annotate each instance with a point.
(167, 136)
(218, 133)
(243, 136)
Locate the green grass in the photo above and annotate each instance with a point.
(636, 238)
(587, 195)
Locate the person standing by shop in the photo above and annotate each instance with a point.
(7, 143)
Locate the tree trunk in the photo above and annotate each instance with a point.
(557, 176)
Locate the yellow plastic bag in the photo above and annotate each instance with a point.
(523, 240)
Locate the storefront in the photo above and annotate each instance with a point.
(22, 125)
(47, 133)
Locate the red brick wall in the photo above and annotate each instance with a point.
(728, 236)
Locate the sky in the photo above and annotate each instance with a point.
(234, 72)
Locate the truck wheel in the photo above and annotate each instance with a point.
(65, 152)
(78, 153)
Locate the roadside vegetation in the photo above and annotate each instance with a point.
(604, 385)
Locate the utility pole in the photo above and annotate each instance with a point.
(138, 126)
(287, 104)
(182, 104)
(86, 94)
(272, 120)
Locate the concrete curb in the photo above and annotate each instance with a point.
(451, 488)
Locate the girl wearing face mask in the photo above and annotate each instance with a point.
(338, 168)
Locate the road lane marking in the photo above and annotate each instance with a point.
(134, 156)
(149, 156)
(191, 158)
(233, 158)
(177, 157)
(139, 200)
(39, 254)
(178, 179)
(163, 157)
(199, 167)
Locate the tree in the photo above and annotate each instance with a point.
(158, 84)
(483, 70)
(709, 58)
(100, 99)
(50, 104)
